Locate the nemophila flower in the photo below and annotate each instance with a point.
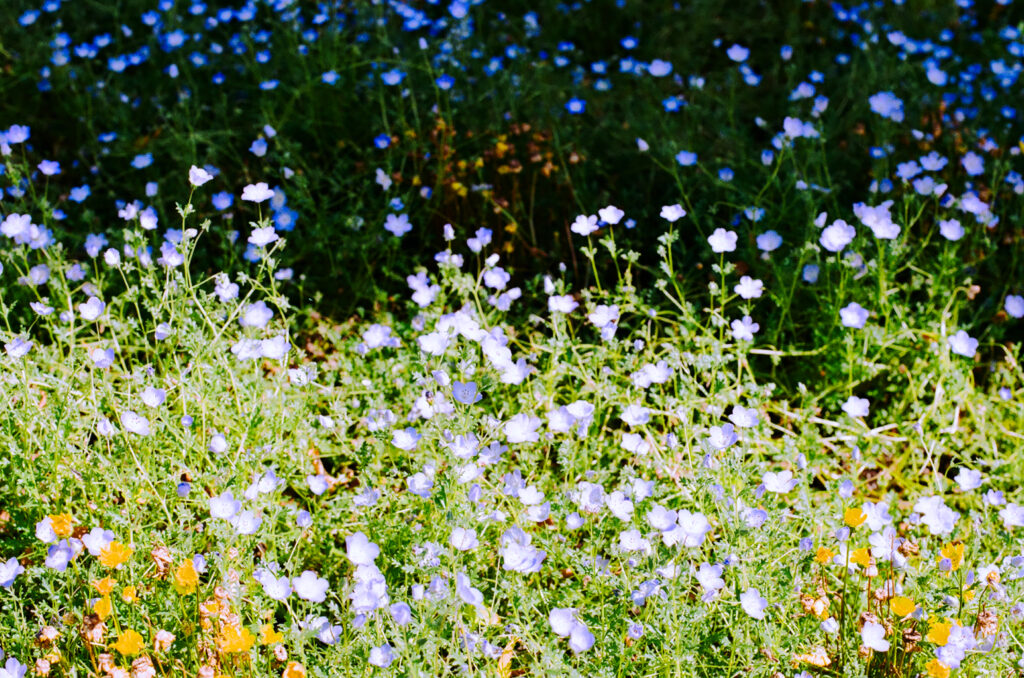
(951, 230)
(153, 397)
(753, 603)
(565, 623)
(134, 423)
(856, 407)
(311, 587)
(257, 193)
(963, 344)
(887, 105)
(726, 174)
(749, 288)
(17, 348)
(686, 158)
(710, 579)
(397, 224)
(779, 483)
(420, 484)
(142, 161)
(611, 214)
(276, 588)
(769, 241)
(91, 309)
(197, 176)
(60, 554)
(246, 522)
(9, 571)
(1014, 305)
(261, 237)
(738, 53)
(466, 393)
(576, 106)
(672, 213)
(584, 224)
(1012, 515)
(939, 518)
(49, 167)
(522, 428)
(973, 164)
(222, 201)
(872, 634)
(360, 550)
(854, 315)
(562, 303)
(256, 315)
(690, 530)
(968, 479)
(518, 554)
(744, 329)
(878, 219)
(405, 439)
(722, 241)
(224, 505)
(382, 656)
(721, 437)
(743, 417)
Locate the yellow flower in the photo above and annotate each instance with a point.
(861, 556)
(955, 552)
(62, 524)
(104, 586)
(937, 669)
(938, 633)
(129, 594)
(186, 578)
(103, 607)
(235, 638)
(268, 636)
(901, 606)
(129, 643)
(823, 555)
(294, 670)
(816, 657)
(854, 517)
(115, 554)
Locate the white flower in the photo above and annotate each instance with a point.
(197, 176)
(963, 344)
(584, 225)
(753, 604)
(257, 193)
(873, 636)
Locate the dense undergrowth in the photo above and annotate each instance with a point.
(478, 338)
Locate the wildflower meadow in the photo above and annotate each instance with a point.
(604, 338)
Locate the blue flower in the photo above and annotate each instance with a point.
(686, 158)
(576, 106)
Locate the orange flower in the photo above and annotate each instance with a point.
(824, 555)
(901, 606)
(938, 633)
(235, 638)
(955, 552)
(129, 595)
(854, 517)
(129, 643)
(104, 586)
(294, 670)
(816, 657)
(937, 669)
(62, 524)
(861, 556)
(103, 607)
(268, 636)
(186, 578)
(115, 554)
